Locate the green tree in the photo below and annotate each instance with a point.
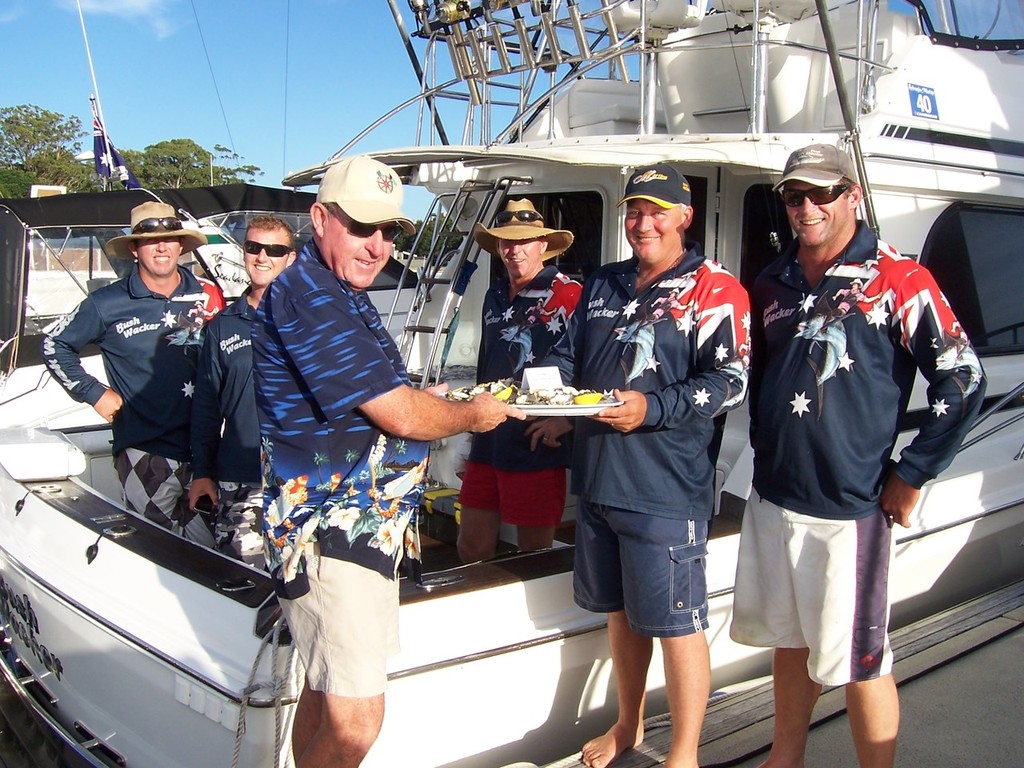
(184, 163)
(15, 182)
(43, 144)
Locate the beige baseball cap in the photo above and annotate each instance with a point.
(366, 190)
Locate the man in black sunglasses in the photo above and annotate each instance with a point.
(226, 476)
(148, 328)
(344, 440)
(842, 324)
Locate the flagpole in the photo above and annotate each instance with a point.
(95, 96)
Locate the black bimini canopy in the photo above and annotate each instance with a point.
(113, 210)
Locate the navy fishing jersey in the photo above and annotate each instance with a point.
(150, 347)
(833, 369)
(225, 398)
(516, 334)
(684, 343)
(330, 476)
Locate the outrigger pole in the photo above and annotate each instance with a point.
(849, 118)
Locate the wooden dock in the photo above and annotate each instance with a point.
(931, 661)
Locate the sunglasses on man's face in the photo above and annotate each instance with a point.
(505, 217)
(388, 230)
(274, 250)
(166, 224)
(794, 198)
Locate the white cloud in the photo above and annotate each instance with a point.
(155, 13)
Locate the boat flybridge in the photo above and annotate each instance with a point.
(143, 649)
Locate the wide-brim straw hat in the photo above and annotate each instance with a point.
(190, 238)
(558, 240)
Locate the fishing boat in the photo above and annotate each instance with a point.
(142, 649)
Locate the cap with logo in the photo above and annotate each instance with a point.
(366, 190)
(819, 164)
(661, 184)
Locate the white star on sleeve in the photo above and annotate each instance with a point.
(721, 352)
(169, 319)
(846, 362)
(701, 397)
(877, 316)
(555, 324)
(800, 404)
(939, 408)
(808, 304)
(508, 314)
(630, 309)
(188, 389)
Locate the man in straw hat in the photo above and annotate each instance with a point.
(345, 441)
(843, 325)
(148, 328)
(516, 473)
(666, 332)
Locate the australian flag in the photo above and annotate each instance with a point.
(109, 163)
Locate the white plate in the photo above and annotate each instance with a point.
(535, 409)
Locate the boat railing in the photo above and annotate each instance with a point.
(504, 62)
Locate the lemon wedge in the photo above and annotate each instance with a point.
(505, 394)
(588, 398)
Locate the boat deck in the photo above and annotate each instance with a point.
(961, 695)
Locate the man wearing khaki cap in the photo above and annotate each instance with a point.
(842, 325)
(345, 442)
(148, 327)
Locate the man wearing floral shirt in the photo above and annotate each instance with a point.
(344, 458)
(667, 333)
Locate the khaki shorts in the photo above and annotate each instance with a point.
(345, 628)
(808, 582)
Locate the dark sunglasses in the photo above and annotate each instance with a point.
(388, 230)
(274, 250)
(794, 198)
(166, 224)
(526, 217)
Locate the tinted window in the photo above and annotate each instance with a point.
(766, 231)
(975, 254)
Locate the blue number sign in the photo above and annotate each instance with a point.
(923, 102)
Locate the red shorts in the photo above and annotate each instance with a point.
(522, 498)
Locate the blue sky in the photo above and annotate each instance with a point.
(296, 79)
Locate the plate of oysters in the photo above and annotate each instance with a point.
(555, 401)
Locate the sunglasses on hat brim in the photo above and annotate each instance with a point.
(165, 224)
(525, 217)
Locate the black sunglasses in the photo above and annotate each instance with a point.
(388, 230)
(274, 250)
(794, 198)
(506, 217)
(166, 224)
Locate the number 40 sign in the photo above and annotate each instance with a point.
(923, 102)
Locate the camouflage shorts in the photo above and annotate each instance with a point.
(239, 526)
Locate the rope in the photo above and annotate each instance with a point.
(277, 685)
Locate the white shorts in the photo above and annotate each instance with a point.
(345, 628)
(809, 582)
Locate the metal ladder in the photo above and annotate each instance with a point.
(433, 319)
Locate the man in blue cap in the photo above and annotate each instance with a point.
(666, 332)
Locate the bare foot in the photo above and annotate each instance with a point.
(599, 752)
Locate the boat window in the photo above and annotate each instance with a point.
(765, 234)
(974, 20)
(973, 251)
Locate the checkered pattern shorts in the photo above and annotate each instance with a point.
(154, 486)
(239, 529)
